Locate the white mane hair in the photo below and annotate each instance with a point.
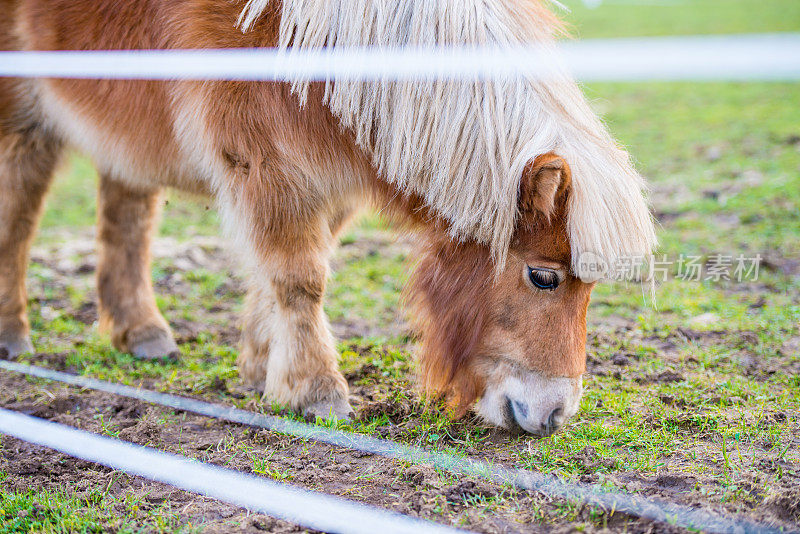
(462, 145)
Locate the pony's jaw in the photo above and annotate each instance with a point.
(534, 403)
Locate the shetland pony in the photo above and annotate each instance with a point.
(506, 183)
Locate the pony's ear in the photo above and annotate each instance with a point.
(544, 181)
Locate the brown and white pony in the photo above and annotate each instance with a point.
(506, 183)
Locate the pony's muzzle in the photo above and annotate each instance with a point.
(533, 404)
(518, 419)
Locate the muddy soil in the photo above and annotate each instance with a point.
(415, 490)
(418, 491)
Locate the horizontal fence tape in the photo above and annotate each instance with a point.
(306, 508)
(550, 485)
(731, 57)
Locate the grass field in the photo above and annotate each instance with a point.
(694, 397)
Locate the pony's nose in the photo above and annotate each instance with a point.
(519, 418)
(554, 421)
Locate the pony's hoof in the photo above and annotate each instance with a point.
(338, 409)
(11, 348)
(160, 346)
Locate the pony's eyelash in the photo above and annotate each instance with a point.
(542, 278)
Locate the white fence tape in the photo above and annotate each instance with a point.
(309, 509)
(733, 57)
(648, 508)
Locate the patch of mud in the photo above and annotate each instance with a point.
(677, 347)
(615, 348)
(664, 377)
(785, 504)
(415, 490)
(418, 490)
(30, 466)
(74, 260)
(780, 264)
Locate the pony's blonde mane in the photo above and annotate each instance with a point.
(462, 146)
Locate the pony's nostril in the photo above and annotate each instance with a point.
(552, 424)
(517, 419)
(511, 416)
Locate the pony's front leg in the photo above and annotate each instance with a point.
(127, 219)
(27, 160)
(288, 351)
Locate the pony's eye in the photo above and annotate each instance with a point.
(543, 278)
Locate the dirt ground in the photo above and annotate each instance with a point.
(418, 491)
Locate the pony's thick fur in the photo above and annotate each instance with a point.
(479, 171)
(462, 146)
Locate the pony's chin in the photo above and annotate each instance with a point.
(531, 403)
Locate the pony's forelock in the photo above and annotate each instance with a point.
(462, 146)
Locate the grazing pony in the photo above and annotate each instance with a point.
(506, 183)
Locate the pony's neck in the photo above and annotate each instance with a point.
(406, 210)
